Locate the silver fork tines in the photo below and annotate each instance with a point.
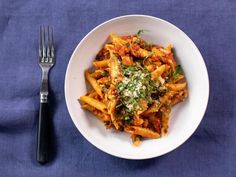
(46, 49)
(46, 58)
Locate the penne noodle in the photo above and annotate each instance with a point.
(157, 52)
(153, 108)
(164, 124)
(102, 116)
(139, 52)
(144, 132)
(94, 103)
(110, 48)
(179, 79)
(117, 40)
(127, 60)
(177, 87)
(115, 72)
(151, 68)
(93, 94)
(143, 105)
(169, 48)
(179, 97)
(165, 51)
(111, 111)
(97, 74)
(103, 80)
(115, 122)
(94, 84)
(101, 64)
(144, 53)
(158, 72)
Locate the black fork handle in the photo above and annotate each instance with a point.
(43, 134)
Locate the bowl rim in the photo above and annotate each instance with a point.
(179, 143)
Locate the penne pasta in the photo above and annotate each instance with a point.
(117, 40)
(110, 48)
(139, 52)
(94, 103)
(115, 70)
(164, 125)
(177, 87)
(178, 79)
(97, 74)
(94, 84)
(101, 64)
(153, 108)
(111, 111)
(104, 118)
(103, 80)
(134, 86)
(127, 60)
(93, 94)
(157, 52)
(158, 72)
(144, 132)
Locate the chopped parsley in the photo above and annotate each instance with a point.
(140, 32)
(136, 85)
(177, 71)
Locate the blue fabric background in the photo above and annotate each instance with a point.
(210, 152)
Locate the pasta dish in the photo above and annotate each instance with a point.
(134, 86)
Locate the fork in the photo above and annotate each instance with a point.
(46, 62)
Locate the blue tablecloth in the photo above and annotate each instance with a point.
(210, 152)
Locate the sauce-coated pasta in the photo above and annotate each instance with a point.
(134, 85)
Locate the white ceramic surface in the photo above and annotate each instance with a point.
(185, 117)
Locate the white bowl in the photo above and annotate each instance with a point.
(185, 117)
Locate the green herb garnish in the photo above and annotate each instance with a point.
(140, 32)
(177, 71)
(136, 85)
